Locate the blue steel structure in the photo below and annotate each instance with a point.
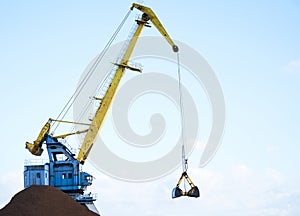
(62, 171)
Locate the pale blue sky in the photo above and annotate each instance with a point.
(254, 49)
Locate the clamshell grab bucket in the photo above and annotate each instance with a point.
(193, 192)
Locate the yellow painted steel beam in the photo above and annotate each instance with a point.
(36, 147)
(63, 136)
(154, 19)
(65, 121)
(108, 97)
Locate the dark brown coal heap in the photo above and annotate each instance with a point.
(44, 201)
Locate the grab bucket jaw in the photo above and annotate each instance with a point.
(193, 192)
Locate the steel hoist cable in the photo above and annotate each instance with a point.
(193, 191)
(183, 155)
(184, 158)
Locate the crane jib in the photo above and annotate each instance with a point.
(101, 112)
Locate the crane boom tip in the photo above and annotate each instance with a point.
(175, 48)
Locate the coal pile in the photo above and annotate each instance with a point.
(44, 201)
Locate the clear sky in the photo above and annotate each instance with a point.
(254, 49)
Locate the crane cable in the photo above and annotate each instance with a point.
(183, 156)
(193, 191)
(83, 82)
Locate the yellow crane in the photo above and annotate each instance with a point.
(66, 174)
